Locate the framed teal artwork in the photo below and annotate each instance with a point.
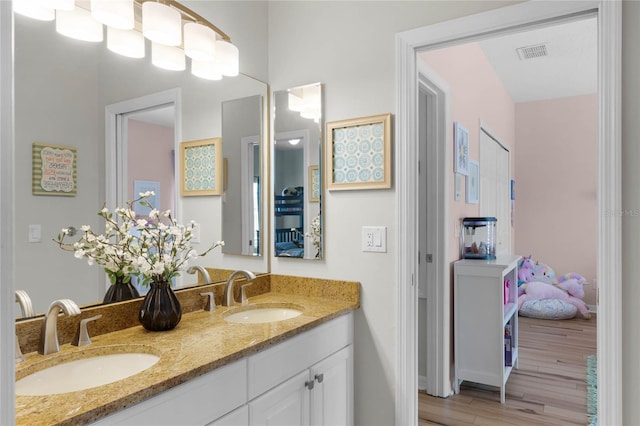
(358, 153)
(201, 167)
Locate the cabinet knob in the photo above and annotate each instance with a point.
(309, 384)
(319, 377)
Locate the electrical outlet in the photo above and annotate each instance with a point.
(374, 238)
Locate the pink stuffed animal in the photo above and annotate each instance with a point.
(525, 269)
(541, 290)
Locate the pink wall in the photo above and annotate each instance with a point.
(152, 146)
(556, 189)
(477, 94)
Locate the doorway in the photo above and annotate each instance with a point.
(126, 146)
(509, 18)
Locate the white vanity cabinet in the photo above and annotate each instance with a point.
(486, 320)
(319, 396)
(305, 380)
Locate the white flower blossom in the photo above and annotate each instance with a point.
(155, 248)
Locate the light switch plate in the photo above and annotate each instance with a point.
(374, 238)
(35, 233)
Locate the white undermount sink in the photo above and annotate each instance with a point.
(263, 313)
(84, 373)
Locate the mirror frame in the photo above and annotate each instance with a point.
(307, 222)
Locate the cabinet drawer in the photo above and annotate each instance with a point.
(196, 402)
(272, 366)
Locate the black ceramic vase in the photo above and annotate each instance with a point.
(160, 310)
(120, 291)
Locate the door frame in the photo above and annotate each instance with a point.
(531, 13)
(437, 169)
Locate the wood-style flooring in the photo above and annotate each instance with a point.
(548, 388)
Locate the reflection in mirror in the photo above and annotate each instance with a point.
(241, 198)
(297, 156)
(62, 88)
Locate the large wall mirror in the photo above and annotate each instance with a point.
(63, 88)
(297, 167)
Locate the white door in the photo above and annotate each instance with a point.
(332, 395)
(284, 405)
(495, 198)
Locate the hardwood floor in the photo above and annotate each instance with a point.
(548, 388)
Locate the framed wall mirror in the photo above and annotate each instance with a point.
(62, 89)
(297, 181)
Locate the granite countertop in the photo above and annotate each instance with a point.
(202, 342)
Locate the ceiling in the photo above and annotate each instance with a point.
(568, 69)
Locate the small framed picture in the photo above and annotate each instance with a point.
(358, 153)
(460, 149)
(473, 182)
(201, 167)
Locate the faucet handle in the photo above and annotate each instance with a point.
(82, 336)
(210, 305)
(243, 293)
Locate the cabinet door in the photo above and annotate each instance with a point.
(332, 395)
(284, 405)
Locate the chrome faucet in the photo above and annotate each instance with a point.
(26, 307)
(203, 272)
(49, 333)
(227, 298)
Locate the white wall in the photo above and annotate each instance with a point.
(350, 47)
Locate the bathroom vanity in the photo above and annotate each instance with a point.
(212, 371)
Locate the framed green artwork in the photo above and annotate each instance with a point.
(201, 167)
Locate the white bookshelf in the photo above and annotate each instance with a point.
(480, 318)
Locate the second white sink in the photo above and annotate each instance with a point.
(84, 373)
(258, 314)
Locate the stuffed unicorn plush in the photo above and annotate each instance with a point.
(569, 290)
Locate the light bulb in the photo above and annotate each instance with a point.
(128, 43)
(114, 13)
(199, 42)
(78, 24)
(161, 24)
(167, 57)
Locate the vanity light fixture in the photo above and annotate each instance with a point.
(161, 21)
(167, 57)
(128, 43)
(34, 9)
(161, 24)
(115, 14)
(227, 57)
(78, 24)
(199, 42)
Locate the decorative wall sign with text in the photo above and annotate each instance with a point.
(54, 170)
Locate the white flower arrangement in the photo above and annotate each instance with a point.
(314, 235)
(156, 248)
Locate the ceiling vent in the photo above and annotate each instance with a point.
(530, 52)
